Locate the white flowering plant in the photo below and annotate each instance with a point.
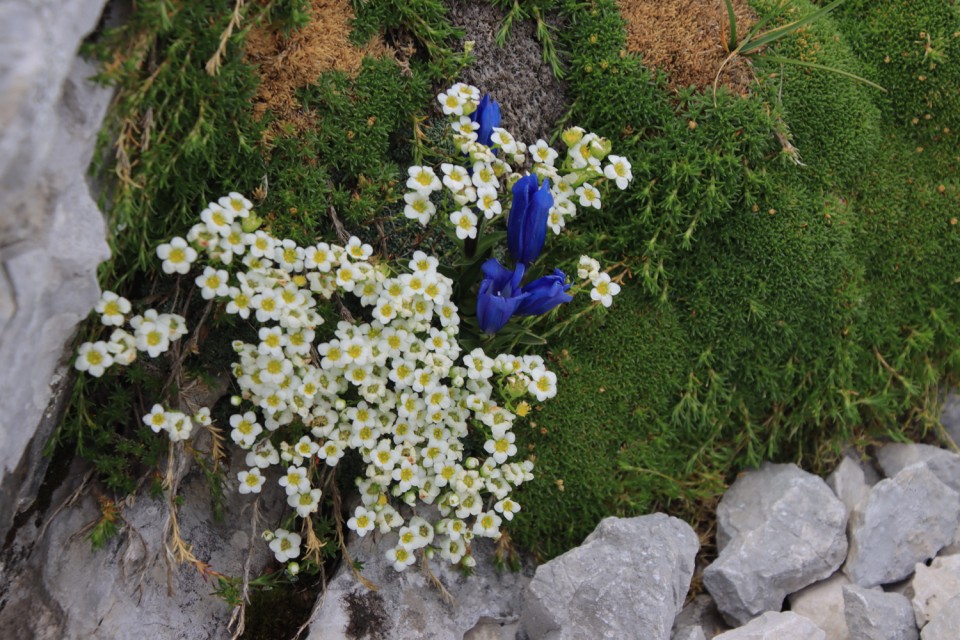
(392, 385)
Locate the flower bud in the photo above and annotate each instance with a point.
(340, 404)
(471, 463)
(251, 223)
(572, 136)
(236, 400)
(293, 568)
(600, 147)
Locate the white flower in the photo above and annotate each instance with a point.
(157, 419)
(555, 219)
(451, 102)
(358, 250)
(501, 448)
(250, 481)
(465, 223)
(217, 219)
(604, 290)
(543, 385)
(305, 503)
(94, 358)
(112, 309)
(245, 429)
(589, 197)
(236, 203)
(363, 521)
(455, 177)
(588, 268)
(487, 525)
(123, 347)
(152, 337)
(285, 545)
(179, 426)
(400, 557)
(541, 152)
(423, 180)
(295, 480)
(177, 256)
(501, 138)
(619, 171)
(213, 282)
(484, 176)
(488, 203)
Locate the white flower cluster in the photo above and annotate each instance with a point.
(477, 185)
(151, 332)
(603, 287)
(396, 388)
(178, 425)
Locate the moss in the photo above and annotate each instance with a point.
(616, 380)
(913, 47)
(833, 119)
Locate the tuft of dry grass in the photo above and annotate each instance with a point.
(685, 39)
(288, 62)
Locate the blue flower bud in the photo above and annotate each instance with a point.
(527, 223)
(487, 116)
(500, 295)
(544, 293)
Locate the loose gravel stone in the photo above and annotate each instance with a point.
(872, 614)
(776, 626)
(783, 530)
(906, 519)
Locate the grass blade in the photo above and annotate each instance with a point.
(820, 67)
(775, 34)
(731, 43)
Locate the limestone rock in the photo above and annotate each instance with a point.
(64, 590)
(872, 614)
(776, 626)
(932, 587)
(629, 574)
(822, 604)
(702, 613)
(950, 416)
(906, 519)
(52, 236)
(945, 624)
(851, 483)
(485, 606)
(784, 530)
(895, 457)
(689, 633)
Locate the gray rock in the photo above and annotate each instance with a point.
(906, 519)
(629, 574)
(689, 633)
(62, 589)
(51, 232)
(950, 416)
(701, 612)
(872, 614)
(784, 530)
(822, 604)
(776, 626)
(932, 587)
(945, 625)
(954, 547)
(850, 482)
(531, 98)
(484, 606)
(485, 630)
(895, 457)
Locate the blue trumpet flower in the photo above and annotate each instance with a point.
(487, 116)
(544, 294)
(500, 295)
(527, 224)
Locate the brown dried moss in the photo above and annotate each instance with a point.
(685, 39)
(287, 63)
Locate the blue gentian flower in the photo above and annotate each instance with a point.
(544, 293)
(527, 224)
(487, 116)
(500, 295)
